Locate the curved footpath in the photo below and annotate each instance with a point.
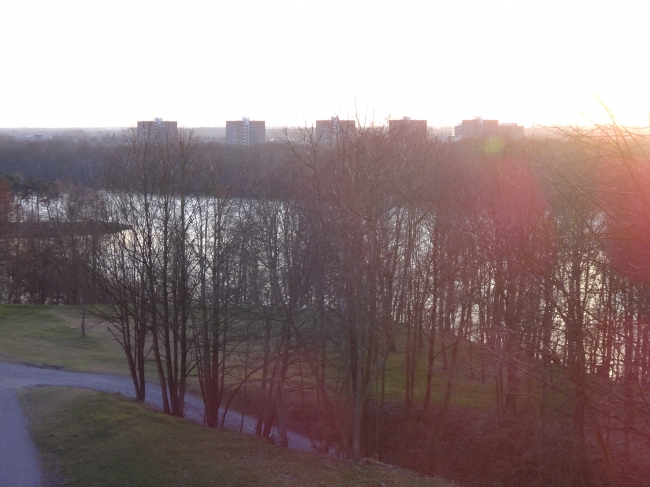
(19, 462)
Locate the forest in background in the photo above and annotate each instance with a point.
(305, 282)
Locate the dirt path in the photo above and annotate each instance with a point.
(19, 463)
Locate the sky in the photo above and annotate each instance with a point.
(109, 64)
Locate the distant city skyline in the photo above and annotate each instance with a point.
(80, 64)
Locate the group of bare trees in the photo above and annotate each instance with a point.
(48, 245)
(531, 261)
(374, 261)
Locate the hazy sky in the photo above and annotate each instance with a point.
(86, 63)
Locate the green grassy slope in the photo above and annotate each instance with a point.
(92, 439)
(469, 391)
(50, 336)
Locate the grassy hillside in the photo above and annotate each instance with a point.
(472, 389)
(50, 336)
(93, 439)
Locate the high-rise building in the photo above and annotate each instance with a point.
(407, 128)
(157, 130)
(245, 132)
(487, 128)
(334, 130)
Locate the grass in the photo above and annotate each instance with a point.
(50, 336)
(93, 439)
(467, 392)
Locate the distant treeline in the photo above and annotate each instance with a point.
(53, 160)
(33, 166)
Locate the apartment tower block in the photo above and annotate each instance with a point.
(245, 132)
